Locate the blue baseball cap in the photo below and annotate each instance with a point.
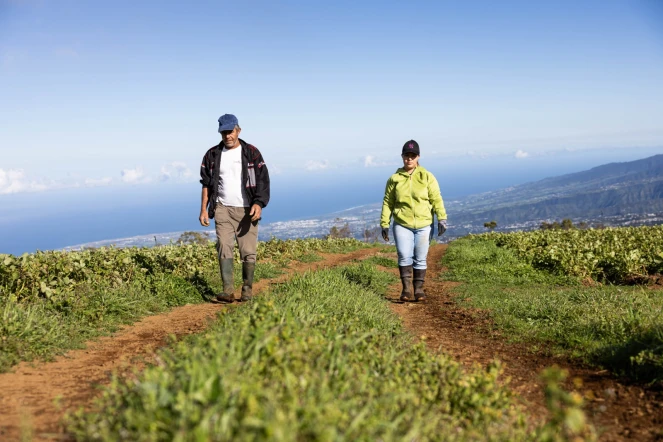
(227, 122)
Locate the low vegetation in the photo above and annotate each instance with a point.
(54, 301)
(532, 284)
(382, 261)
(320, 358)
(613, 255)
(566, 224)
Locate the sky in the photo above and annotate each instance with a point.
(127, 93)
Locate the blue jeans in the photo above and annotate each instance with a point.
(412, 245)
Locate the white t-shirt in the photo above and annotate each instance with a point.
(231, 190)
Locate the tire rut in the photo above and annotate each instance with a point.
(619, 410)
(35, 396)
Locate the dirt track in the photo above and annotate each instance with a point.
(33, 398)
(618, 410)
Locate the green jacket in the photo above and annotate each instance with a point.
(412, 199)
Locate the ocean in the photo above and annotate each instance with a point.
(57, 219)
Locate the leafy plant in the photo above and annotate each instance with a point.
(615, 255)
(321, 358)
(53, 301)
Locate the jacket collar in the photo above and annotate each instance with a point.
(417, 170)
(243, 145)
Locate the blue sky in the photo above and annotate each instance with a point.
(119, 93)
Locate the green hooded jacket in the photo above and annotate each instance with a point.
(412, 199)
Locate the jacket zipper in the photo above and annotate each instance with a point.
(414, 215)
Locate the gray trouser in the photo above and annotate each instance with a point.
(235, 223)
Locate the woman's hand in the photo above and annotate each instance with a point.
(441, 227)
(385, 234)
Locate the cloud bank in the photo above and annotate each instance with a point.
(18, 181)
(134, 176)
(14, 181)
(317, 165)
(175, 171)
(371, 161)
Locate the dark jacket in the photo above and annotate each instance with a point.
(254, 174)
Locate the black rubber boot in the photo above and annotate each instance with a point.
(406, 279)
(418, 278)
(227, 268)
(248, 268)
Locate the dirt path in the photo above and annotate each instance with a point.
(619, 411)
(33, 398)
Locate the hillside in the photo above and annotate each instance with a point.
(627, 191)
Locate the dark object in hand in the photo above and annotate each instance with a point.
(385, 234)
(441, 227)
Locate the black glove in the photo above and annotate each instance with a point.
(385, 234)
(441, 227)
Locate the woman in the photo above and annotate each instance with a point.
(412, 196)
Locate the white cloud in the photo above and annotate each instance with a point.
(521, 154)
(14, 181)
(176, 170)
(91, 182)
(134, 176)
(317, 165)
(475, 154)
(370, 161)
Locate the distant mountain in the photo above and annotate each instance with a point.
(611, 192)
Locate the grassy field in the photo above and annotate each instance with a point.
(322, 357)
(54, 301)
(614, 326)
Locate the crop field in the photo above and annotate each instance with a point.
(614, 255)
(574, 292)
(54, 301)
(329, 354)
(319, 358)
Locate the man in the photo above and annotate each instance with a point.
(235, 190)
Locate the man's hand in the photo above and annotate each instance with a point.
(255, 212)
(441, 227)
(204, 220)
(385, 234)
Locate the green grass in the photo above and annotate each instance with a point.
(55, 301)
(320, 358)
(382, 261)
(42, 330)
(387, 248)
(618, 327)
(310, 257)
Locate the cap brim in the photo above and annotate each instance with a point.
(226, 127)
